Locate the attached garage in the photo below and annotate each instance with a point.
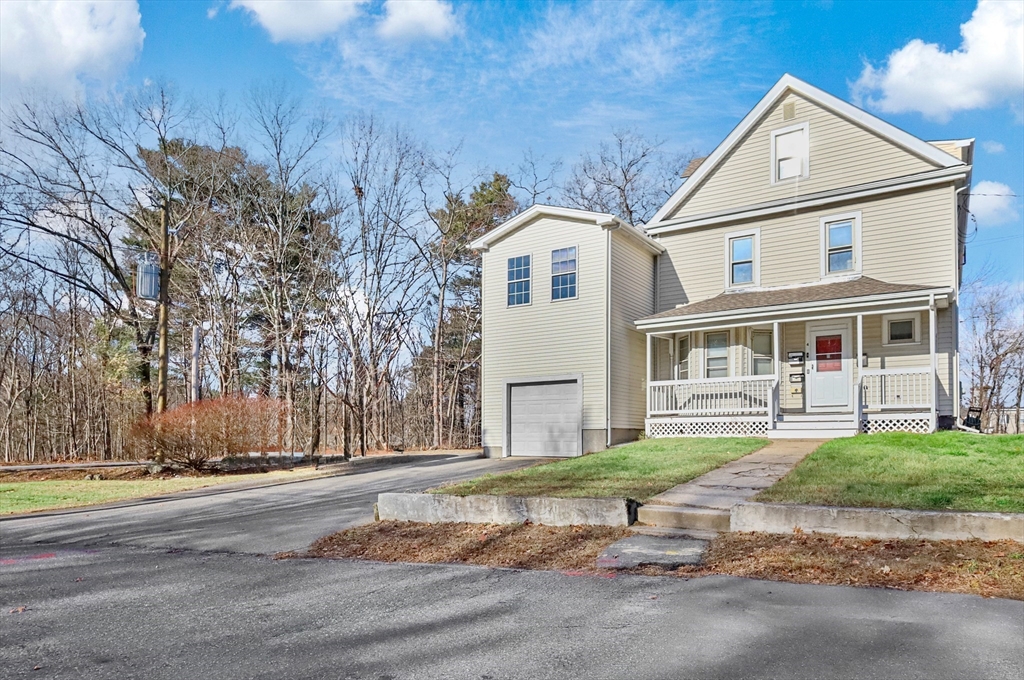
(544, 418)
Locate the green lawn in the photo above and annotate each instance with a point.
(940, 471)
(18, 497)
(638, 470)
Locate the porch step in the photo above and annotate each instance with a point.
(805, 432)
(683, 517)
(845, 424)
(814, 417)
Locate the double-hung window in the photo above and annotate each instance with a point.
(840, 244)
(741, 261)
(790, 153)
(716, 355)
(563, 273)
(763, 351)
(519, 280)
(742, 268)
(683, 358)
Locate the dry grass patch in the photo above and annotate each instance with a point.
(990, 569)
(520, 546)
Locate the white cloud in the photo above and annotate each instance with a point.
(638, 40)
(301, 22)
(62, 44)
(409, 19)
(993, 147)
(987, 70)
(993, 203)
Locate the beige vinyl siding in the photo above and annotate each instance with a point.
(906, 238)
(842, 154)
(951, 148)
(545, 338)
(632, 291)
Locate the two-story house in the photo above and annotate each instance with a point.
(802, 282)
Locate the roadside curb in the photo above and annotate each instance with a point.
(882, 523)
(440, 508)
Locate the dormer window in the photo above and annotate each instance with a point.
(790, 153)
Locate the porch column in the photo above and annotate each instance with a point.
(932, 332)
(777, 392)
(859, 396)
(650, 371)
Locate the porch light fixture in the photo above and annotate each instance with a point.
(864, 360)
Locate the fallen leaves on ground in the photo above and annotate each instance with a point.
(987, 568)
(521, 546)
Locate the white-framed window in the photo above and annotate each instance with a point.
(840, 244)
(716, 354)
(790, 153)
(563, 274)
(743, 259)
(518, 280)
(901, 329)
(763, 352)
(683, 358)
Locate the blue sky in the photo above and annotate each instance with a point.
(501, 77)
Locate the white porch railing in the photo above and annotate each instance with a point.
(896, 388)
(712, 396)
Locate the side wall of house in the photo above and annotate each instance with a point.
(632, 298)
(546, 337)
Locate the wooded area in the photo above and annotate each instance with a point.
(326, 264)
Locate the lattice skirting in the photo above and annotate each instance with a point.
(909, 422)
(707, 428)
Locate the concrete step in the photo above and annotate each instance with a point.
(813, 417)
(669, 532)
(683, 517)
(808, 425)
(813, 433)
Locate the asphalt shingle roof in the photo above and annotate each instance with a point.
(756, 299)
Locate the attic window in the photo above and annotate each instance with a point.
(789, 153)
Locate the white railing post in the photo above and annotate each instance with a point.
(932, 333)
(650, 373)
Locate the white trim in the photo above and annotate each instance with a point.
(814, 200)
(532, 291)
(805, 165)
(606, 220)
(785, 85)
(902, 316)
(755, 255)
(809, 307)
(551, 261)
(823, 222)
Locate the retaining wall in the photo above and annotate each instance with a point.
(426, 507)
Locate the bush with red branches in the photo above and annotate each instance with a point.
(192, 434)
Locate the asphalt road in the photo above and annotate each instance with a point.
(176, 590)
(263, 520)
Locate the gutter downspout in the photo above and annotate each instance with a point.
(608, 335)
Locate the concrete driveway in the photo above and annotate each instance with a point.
(183, 588)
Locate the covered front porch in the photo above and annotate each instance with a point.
(824, 370)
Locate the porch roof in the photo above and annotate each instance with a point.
(745, 303)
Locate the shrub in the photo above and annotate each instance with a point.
(192, 434)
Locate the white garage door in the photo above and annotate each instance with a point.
(544, 419)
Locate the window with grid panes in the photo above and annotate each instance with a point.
(519, 280)
(563, 273)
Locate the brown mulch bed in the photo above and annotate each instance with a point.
(521, 546)
(987, 568)
(990, 569)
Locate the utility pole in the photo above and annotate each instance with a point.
(196, 346)
(163, 307)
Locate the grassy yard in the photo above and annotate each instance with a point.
(56, 494)
(638, 470)
(940, 471)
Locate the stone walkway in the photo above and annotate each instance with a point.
(741, 479)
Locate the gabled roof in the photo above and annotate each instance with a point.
(786, 85)
(606, 220)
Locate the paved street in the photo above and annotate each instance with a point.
(176, 589)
